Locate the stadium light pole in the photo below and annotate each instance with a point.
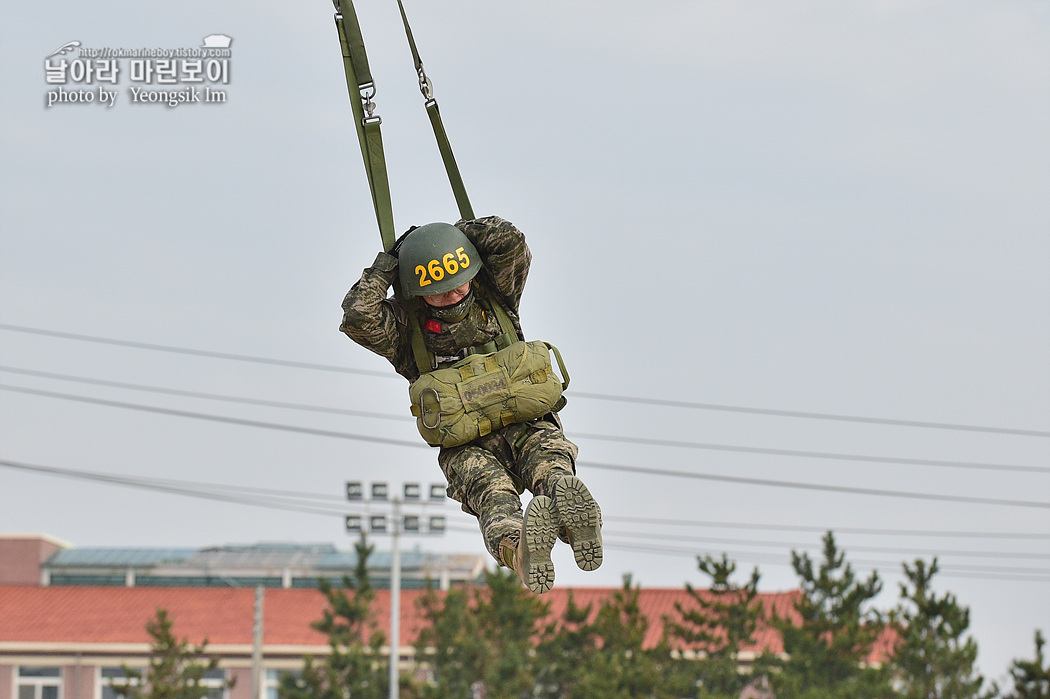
(399, 523)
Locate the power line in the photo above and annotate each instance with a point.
(841, 530)
(270, 495)
(217, 418)
(752, 557)
(579, 394)
(1037, 575)
(582, 435)
(286, 405)
(816, 486)
(855, 547)
(813, 454)
(293, 501)
(276, 500)
(174, 488)
(195, 487)
(196, 352)
(605, 466)
(809, 415)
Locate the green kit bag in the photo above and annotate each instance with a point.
(484, 392)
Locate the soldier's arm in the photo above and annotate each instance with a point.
(505, 255)
(371, 319)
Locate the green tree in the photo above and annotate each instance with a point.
(934, 659)
(569, 643)
(619, 666)
(828, 649)
(176, 668)
(483, 639)
(448, 642)
(1031, 678)
(352, 670)
(719, 621)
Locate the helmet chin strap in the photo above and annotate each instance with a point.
(454, 313)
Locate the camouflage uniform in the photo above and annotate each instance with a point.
(488, 475)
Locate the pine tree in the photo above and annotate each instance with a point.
(932, 658)
(828, 650)
(176, 668)
(720, 621)
(484, 640)
(569, 643)
(1031, 677)
(352, 669)
(450, 643)
(619, 666)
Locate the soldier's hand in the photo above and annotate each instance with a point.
(385, 262)
(397, 243)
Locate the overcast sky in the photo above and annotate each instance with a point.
(837, 209)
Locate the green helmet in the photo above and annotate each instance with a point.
(435, 259)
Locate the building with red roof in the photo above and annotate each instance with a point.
(68, 641)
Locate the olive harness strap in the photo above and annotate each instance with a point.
(425, 87)
(362, 89)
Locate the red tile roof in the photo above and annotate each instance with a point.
(658, 603)
(224, 616)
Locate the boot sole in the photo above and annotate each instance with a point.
(540, 530)
(578, 512)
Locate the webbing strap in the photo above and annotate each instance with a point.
(425, 360)
(411, 41)
(356, 45)
(361, 88)
(510, 333)
(459, 191)
(380, 185)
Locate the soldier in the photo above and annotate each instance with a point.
(487, 475)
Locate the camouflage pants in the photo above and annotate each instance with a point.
(488, 475)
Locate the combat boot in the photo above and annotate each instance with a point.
(581, 519)
(529, 554)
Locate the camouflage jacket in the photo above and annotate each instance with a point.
(379, 322)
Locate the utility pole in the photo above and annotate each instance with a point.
(399, 524)
(395, 604)
(257, 645)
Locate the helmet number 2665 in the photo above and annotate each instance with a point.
(435, 270)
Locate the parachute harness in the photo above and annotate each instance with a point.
(362, 90)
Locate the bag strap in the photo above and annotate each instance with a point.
(561, 366)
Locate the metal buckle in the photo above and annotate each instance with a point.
(425, 86)
(423, 410)
(368, 91)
